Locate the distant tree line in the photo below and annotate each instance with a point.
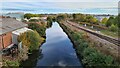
(29, 15)
(112, 23)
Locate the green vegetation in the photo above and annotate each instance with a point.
(110, 24)
(10, 63)
(104, 20)
(49, 21)
(39, 28)
(33, 20)
(113, 28)
(110, 21)
(29, 15)
(61, 17)
(85, 18)
(90, 57)
(31, 61)
(31, 39)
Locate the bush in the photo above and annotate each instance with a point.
(33, 20)
(91, 57)
(113, 28)
(81, 47)
(10, 63)
(31, 39)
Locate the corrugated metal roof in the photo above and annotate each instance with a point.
(10, 24)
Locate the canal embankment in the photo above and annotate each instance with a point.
(89, 55)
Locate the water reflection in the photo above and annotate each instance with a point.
(58, 49)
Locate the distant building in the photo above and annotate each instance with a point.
(18, 15)
(101, 17)
(7, 28)
(40, 19)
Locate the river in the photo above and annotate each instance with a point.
(58, 49)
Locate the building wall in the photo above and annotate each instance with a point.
(14, 38)
(7, 40)
(1, 42)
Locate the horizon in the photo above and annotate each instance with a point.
(61, 7)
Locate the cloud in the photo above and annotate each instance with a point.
(59, 0)
(61, 63)
(86, 5)
(61, 7)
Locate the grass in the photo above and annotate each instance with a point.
(105, 32)
(110, 33)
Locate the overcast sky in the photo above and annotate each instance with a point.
(61, 5)
(59, 0)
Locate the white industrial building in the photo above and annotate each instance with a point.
(16, 33)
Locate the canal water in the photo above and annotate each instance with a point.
(58, 49)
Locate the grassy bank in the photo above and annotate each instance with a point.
(89, 56)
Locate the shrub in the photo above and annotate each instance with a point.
(81, 47)
(113, 28)
(33, 20)
(10, 63)
(31, 39)
(92, 57)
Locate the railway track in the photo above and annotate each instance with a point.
(112, 40)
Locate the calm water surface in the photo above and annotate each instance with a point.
(58, 49)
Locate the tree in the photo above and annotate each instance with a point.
(39, 28)
(93, 20)
(104, 20)
(31, 39)
(110, 21)
(49, 21)
(113, 28)
(61, 17)
(29, 15)
(74, 16)
(118, 20)
(79, 17)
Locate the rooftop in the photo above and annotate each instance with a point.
(20, 31)
(10, 24)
